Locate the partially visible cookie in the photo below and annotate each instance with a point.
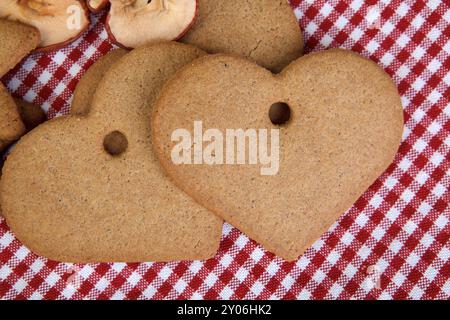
(17, 40)
(30, 117)
(266, 31)
(11, 125)
(312, 139)
(90, 189)
(31, 114)
(84, 92)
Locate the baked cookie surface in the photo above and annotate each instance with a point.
(344, 129)
(17, 40)
(266, 31)
(11, 125)
(85, 89)
(68, 199)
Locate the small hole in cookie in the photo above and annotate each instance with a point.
(279, 113)
(115, 143)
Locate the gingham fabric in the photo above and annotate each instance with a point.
(392, 244)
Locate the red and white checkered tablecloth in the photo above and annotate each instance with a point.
(397, 232)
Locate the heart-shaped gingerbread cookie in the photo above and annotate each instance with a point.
(278, 156)
(90, 189)
(265, 31)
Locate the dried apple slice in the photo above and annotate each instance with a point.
(96, 5)
(59, 21)
(132, 23)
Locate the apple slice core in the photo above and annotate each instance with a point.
(132, 23)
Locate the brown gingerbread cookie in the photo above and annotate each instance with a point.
(17, 40)
(266, 31)
(11, 125)
(84, 92)
(90, 189)
(280, 157)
